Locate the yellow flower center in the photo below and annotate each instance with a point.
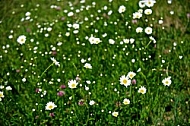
(73, 85)
(131, 75)
(142, 91)
(125, 81)
(51, 107)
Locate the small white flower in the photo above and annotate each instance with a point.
(169, 1)
(141, 4)
(23, 79)
(111, 41)
(140, 11)
(1, 95)
(167, 81)
(8, 88)
(10, 36)
(148, 30)
(122, 9)
(132, 40)
(92, 40)
(171, 12)
(139, 70)
(148, 11)
(92, 102)
(180, 57)
(139, 30)
(149, 3)
(59, 43)
(88, 66)
(27, 14)
(97, 40)
(83, 60)
(21, 39)
(72, 84)
(126, 101)
(153, 39)
(67, 34)
(86, 88)
(50, 106)
(1, 86)
(115, 114)
(49, 29)
(76, 26)
(88, 82)
(124, 80)
(131, 75)
(76, 31)
(160, 22)
(137, 15)
(55, 61)
(70, 14)
(133, 60)
(142, 90)
(110, 12)
(126, 41)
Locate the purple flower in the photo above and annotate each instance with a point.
(63, 18)
(28, 30)
(58, 8)
(134, 21)
(18, 70)
(133, 81)
(81, 102)
(60, 93)
(54, 52)
(78, 78)
(52, 114)
(63, 86)
(37, 90)
(154, 45)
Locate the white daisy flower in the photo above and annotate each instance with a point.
(72, 84)
(8, 88)
(21, 39)
(88, 65)
(139, 30)
(149, 3)
(142, 90)
(1, 95)
(124, 80)
(148, 30)
(148, 11)
(92, 102)
(115, 114)
(141, 4)
(126, 101)
(76, 26)
(111, 41)
(137, 15)
(55, 61)
(122, 9)
(167, 81)
(50, 106)
(131, 75)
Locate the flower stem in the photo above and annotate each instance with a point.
(45, 71)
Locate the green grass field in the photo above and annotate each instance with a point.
(94, 63)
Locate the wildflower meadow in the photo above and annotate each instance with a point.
(94, 62)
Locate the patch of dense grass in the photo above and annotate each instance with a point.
(94, 62)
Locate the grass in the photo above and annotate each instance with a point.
(29, 79)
